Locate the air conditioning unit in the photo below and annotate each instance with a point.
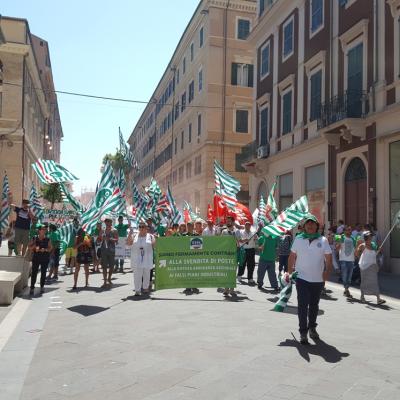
(263, 151)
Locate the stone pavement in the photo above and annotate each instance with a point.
(98, 344)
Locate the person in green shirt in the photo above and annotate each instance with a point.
(266, 263)
(122, 230)
(54, 263)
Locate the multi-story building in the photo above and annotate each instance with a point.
(326, 109)
(201, 107)
(30, 126)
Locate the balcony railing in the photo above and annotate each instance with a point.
(351, 104)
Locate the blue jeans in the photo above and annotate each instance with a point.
(346, 269)
(267, 266)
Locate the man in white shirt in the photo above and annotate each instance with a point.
(310, 254)
(210, 229)
(247, 240)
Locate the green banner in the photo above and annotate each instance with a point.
(196, 262)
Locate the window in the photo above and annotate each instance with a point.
(394, 178)
(199, 125)
(285, 190)
(180, 174)
(191, 91)
(201, 37)
(188, 170)
(242, 121)
(176, 110)
(243, 28)
(315, 95)
(182, 139)
(197, 165)
(176, 145)
(174, 178)
(261, 7)
(265, 55)
(200, 80)
(191, 51)
(183, 102)
(184, 65)
(242, 75)
(177, 77)
(190, 133)
(287, 112)
(317, 15)
(264, 119)
(288, 39)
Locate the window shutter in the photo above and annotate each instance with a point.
(251, 75)
(234, 74)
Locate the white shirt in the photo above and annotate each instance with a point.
(209, 232)
(246, 236)
(346, 252)
(310, 260)
(340, 229)
(142, 252)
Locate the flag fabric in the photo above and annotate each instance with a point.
(68, 198)
(190, 215)
(225, 185)
(121, 181)
(242, 214)
(210, 213)
(261, 217)
(66, 232)
(220, 210)
(286, 281)
(271, 209)
(176, 215)
(35, 206)
(5, 207)
(287, 219)
(126, 152)
(49, 171)
(139, 203)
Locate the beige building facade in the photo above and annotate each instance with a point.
(326, 108)
(201, 110)
(30, 126)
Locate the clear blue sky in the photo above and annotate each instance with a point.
(114, 48)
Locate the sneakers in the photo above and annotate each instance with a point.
(347, 294)
(195, 290)
(251, 282)
(313, 334)
(240, 279)
(138, 293)
(303, 338)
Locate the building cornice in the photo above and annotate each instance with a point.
(248, 6)
(15, 48)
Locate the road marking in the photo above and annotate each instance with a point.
(11, 321)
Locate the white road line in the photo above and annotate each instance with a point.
(11, 320)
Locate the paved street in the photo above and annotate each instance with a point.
(98, 344)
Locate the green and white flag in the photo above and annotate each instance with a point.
(49, 171)
(66, 232)
(271, 209)
(68, 198)
(35, 205)
(287, 219)
(126, 152)
(5, 207)
(176, 215)
(226, 185)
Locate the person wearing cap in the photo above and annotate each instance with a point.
(22, 227)
(367, 252)
(107, 239)
(122, 230)
(248, 240)
(210, 229)
(311, 256)
(41, 249)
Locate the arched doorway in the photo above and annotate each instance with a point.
(356, 193)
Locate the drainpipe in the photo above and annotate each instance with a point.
(225, 33)
(376, 60)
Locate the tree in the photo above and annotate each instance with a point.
(52, 193)
(117, 162)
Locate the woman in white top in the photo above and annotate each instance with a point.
(141, 258)
(368, 268)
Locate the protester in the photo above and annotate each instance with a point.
(312, 258)
(231, 230)
(96, 245)
(54, 263)
(141, 258)
(284, 244)
(191, 232)
(198, 227)
(266, 263)
(182, 229)
(210, 229)
(248, 238)
(346, 246)
(367, 252)
(22, 226)
(357, 233)
(41, 249)
(175, 229)
(10, 236)
(107, 239)
(341, 227)
(332, 244)
(122, 230)
(83, 247)
(70, 252)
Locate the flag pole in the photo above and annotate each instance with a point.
(396, 221)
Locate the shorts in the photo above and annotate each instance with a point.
(107, 259)
(84, 258)
(70, 252)
(21, 236)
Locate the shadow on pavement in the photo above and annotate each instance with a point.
(327, 296)
(86, 310)
(370, 305)
(326, 351)
(144, 296)
(185, 299)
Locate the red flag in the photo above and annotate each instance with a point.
(220, 209)
(210, 214)
(243, 214)
(186, 215)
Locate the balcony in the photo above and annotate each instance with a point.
(344, 116)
